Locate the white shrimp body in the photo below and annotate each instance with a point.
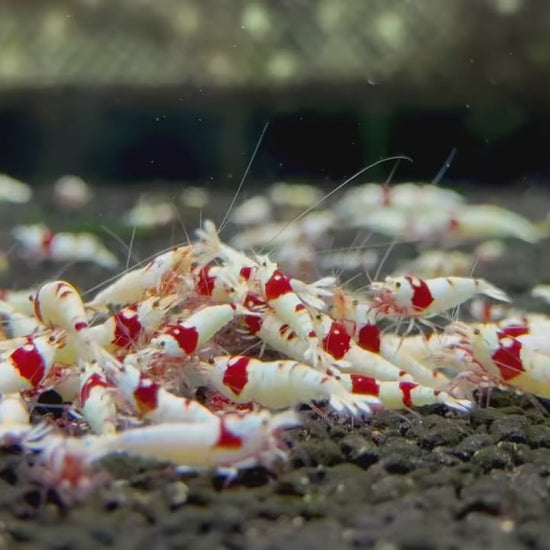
(153, 402)
(480, 221)
(412, 297)
(397, 395)
(277, 384)
(58, 304)
(17, 323)
(279, 336)
(187, 337)
(97, 402)
(39, 243)
(14, 418)
(395, 349)
(159, 276)
(232, 440)
(21, 300)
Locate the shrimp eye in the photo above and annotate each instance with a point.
(397, 284)
(156, 303)
(211, 360)
(477, 332)
(52, 338)
(355, 303)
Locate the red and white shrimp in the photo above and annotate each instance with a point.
(27, 365)
(17, 323)
(134, 325)
(505, 359)
(21, 300)
(14, 418)
(403, 394)
(408, 296)
(160, 276)
(152, 401)
(277, 384)
(277, 334)
(39, 243)
(399, 351)
(97, 401)
(187, 337)
(339, 349)
(59, 305)
(277, 290)
(233, 440)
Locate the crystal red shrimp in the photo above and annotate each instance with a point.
(134, 325)
(340, 350)
(233, 440)
(408, 296)
(277, 290)
(58, 304)
(506, 359)
(97, 401)
(160, 276)
(18, 323)
(26, 366)
(187, 337)
(153, 402)
(272, 331)
(370, 337)
(277, 384)
(21, 300)
(14, 419)
(402, 394)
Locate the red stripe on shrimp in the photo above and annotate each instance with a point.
(146, 395)
(422, 297)
(364, 385)
(95, 381)
(187, 338)
(406, 389)
(278, 285)
(337, 342)
(30, 363)
(227, 439)
(512, 331)
(206, 283)
(508, 359)
(369, 338)
(127, 328)
(236, 375)
(254, 323)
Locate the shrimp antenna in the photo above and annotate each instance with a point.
(245, 175)
(335, 190)
(385, 257)
(119, 240)
(386, 186)
(445, 167)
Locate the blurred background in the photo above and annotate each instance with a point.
(179, 90)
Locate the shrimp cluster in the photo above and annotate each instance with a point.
(204, 356)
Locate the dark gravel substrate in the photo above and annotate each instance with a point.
(411, 480)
